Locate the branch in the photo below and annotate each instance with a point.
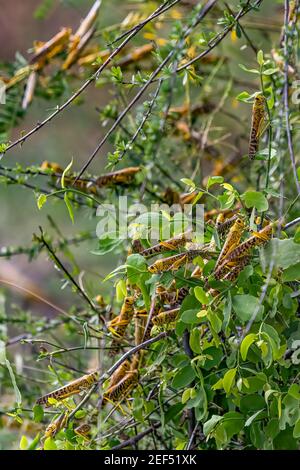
(291, 224)
(69, 276)
(136, 438)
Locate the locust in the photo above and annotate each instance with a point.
(175, 296)
(146, 325)
(80, 184)
(139, 328)
(258, 114)
(83, 430)
(122, 388)
(123, 177)
(72, 388)
(135, 55)
(172, 263)
(167, 245)
(167, 317)
(118, 375)
(52, 47)
(257, 239)
(232, 240)
(234, 272)
(119, 324)
(238, 257)
(56, 425)
(82, 36)
(225, 225)
(29, 89)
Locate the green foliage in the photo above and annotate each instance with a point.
(230, 359)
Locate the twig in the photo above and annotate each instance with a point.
(291, 224)
(69, 276)
(137, 438)
(41, 299)
(190, 354)
(143, 121)
(190, 443)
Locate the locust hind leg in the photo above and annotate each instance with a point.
(168, 245)
(177, 264)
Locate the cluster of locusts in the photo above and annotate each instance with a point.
(230, 227)
(230, 259)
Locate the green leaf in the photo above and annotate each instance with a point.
(80, 414)
(260, 58)
(201, 295)
(33, 445)
(227, 311)
(190, 316)
(63, 176)
(3, 147)
(186, 395)
(270, 71)
(245, 306)
(294, 391)
(255, 199)
(195, 340)
(243, 67)
(5, 362)
(38, 413)
(49, 444)
(121, 290)
(188, 182)
(107, 244)
(211, 424)
(284, 253)
(296, 432)
(233, 423)
(136, 267)
(244, 97)
(253, 417)
(292, 273)
(273, 338)
(214, 357)
(24, 443)
(69, 207)
(184, 377)
(42, 199)
(214, 180)
(297, 236)
(218, 385)
(228, 379)
(2, 350)
(246, 343)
